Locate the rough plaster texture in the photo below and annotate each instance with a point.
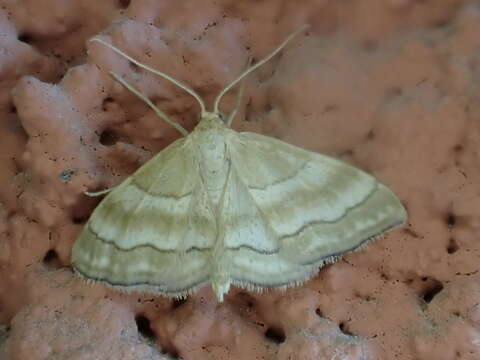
(390, 86)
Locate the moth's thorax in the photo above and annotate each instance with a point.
(208, 139)
(210, 121)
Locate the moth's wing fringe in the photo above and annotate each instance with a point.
(141, 288)
(315, 267)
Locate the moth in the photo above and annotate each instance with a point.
(224, 207)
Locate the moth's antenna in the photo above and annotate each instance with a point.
(254, 67)
(159, 112)
(239, 98)
(156, 72)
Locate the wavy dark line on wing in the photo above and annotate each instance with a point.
(263, 252)
(193, 248)
(153, 247)
(316, 222)
(161, 287)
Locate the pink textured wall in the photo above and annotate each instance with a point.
(391, 86)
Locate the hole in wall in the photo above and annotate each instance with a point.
(51, 260)
(108, 137)
(25, 38)
(451, 220)
(275, 335)
(79, 220)
(452, 246)
(107, 102)
(124, 3)
(432, 290)
(344, 328)
(82, 211)
(144, 328)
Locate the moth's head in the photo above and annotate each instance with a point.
(209, 120)
(212, 117)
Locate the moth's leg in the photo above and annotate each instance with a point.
(231, 116)
(98, 193)
(159, 112)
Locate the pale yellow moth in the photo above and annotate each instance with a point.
(222, 207)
